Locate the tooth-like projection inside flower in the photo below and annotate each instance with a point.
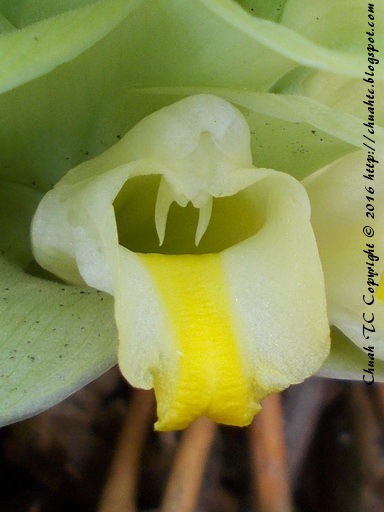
(164, 200)
(205, 212)
(347, 199)
(165, 197)
(231, 307)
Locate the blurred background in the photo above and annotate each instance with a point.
(318, 446)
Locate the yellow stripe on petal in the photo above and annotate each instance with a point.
(212, 378)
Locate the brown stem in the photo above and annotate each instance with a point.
(304, 405)
(119, 493)
(184, 483)
(267, 445)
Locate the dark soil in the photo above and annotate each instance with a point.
(59, 460)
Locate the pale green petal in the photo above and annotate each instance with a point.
(54, 338)
(342, 94)
(338, 195)
(292, 44)
(321, 22)
(38, 48)
(338, 25)
(346, 361)
(271, 10)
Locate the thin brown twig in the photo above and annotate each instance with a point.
(119, 493)
(269, 466)
(183, 488)
(304, 405)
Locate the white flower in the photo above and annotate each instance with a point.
(215, 312)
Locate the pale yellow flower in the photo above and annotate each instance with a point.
(217, 311)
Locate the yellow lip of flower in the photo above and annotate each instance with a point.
(215, 312)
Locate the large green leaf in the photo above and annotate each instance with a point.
(54, 338)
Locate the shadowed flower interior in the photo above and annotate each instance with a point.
(232, 219)
(218, 287)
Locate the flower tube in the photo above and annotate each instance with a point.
(218, 287)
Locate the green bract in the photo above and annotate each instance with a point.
(75, 76)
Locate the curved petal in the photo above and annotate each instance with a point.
(338, 25)
(338, 92)
(38, 48)
(347, 199)
(347, 361)
(297, 45)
